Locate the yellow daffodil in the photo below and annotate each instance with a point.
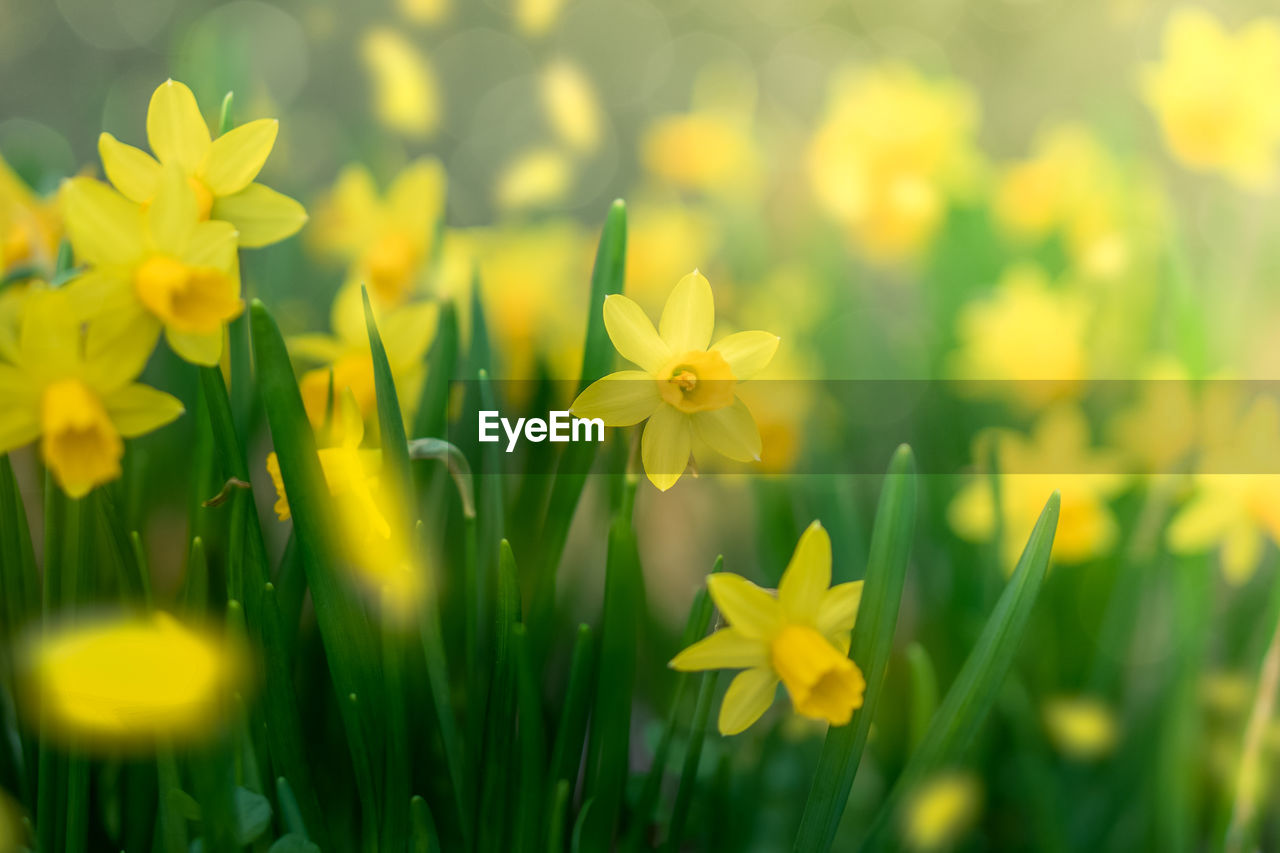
(75, 392)
(1057, 456)
(406, 96)
(132, 681)
(29, 225)
(369, 534)
(799, 638)
(1081, 727)
(891, 151)
(1026, 340)
(1231, 508)
(220, 172)
(1073, 186)
(685, 387)
(1213, 93)
(537, 178)
(387, 240)
(571, 105)
(941, 810)
(406, 332)
(154, 267)
(703, 150)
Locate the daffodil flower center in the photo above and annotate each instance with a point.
(190, 299)
(824, 684)
(697, 382)
(80, 443)
(390, 265)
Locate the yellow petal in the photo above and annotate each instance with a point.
(19, 417)
(689, 315)
(104, 226)
(406, 94)
(749, 609)
(633, 334)
(727, 648)
(749, 695)
(730, 431)
(175, 128)
(619, 399)
(350, 421)
(196, 347)
(139, 409)
(236, 157)
(416, 197)
(171, 217)
(212, 244)
(1204, 521)
(571, 105)
(261, 215)
(748, 353)
(348, 218)
(536, 178)
(1241, 551)
(839, 610)
(316, 347)
(665, 446)
(133, 171)
(117, 346)
(808, 575)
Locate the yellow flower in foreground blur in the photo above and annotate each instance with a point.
(1214, 95)
(406, 96)
(129, 681)
(800, 638)
(369, 528)
(685, 387)
(76, 393)
(154, 267)
(29, 227)
(1057, 456)
(406, 333)
(1024, 341)
(387, 240)
(219, 171)
(1081, 727)
(892, 148)
(941, 810)
(1232, 508)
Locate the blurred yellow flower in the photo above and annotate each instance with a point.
(369, 528)
(1231, 508)
(799, 638)
(387, 240)
(1057, 456)
(941, 810)
(684, 388)
(406, 332)
(1162, 428)
(29, 226)
(704, 150)
(406, 96)
(76, 393)
(424, 11)
(664, 239)
(131, 681)
(890, 151)
(1213, 93)
(536, 17)
(1073, 185)
(571, 104)
(220, 172)
(153, 267)
(536, 178)
(1081, 727)
(1025, 341)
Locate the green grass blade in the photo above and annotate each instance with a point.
(559, 814)
(395, 798)
(695, 628)
(433, 408)
(924, 692)
(609, 748)
(566, 753)
(495, 780)
(344, 628)
(692, 757)
(978, 684)
(597, 356)
(395, 444)
(533, 747)
(870, 646)
(422, 828)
